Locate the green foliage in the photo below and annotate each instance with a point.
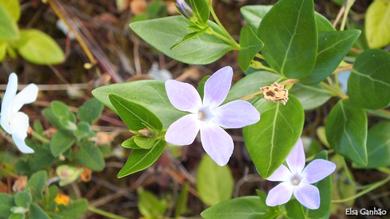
(201, 10)
(369, 83)
(246, 207)
(142, 159)
(214, 183)
(378, 145)
(377, 24)
(90, 156)
(310, 97)
(90, 111)
(61, 142)
(250, 45)
(6, 203)
(8, 27)
(270, 140)
(37, 184)
(346, 131)
(289, 34)
(163, 33)
(150, 206)
(149, 94)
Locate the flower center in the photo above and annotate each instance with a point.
(295, 180)
(205, 114)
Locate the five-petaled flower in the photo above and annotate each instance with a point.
(14, 122)
(297, 179)
(208, 116)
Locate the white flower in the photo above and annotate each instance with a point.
(14, 122)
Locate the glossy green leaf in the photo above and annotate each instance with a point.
(344, 183)
(3, 50)
(39, 48)
(250, 45)
(250, 84)
(310, 97)
(61, 142)
(332, 47)
(90, 156)
(253, 14)
(270, 140)
(37, 183)
(162, 33)
(369, 83)
(129, 143)
(8, 28)
(38, 212)
(378, 145)
(289, 34)
(247, 207)
(295, 210)
(134, 115)
(214, 183)
(150, 206)
(377, 24)
(201, 9)
(6, 203)
(12, 7)
(144, 142)
(142, 159)
(90, 111)
(149, 94)
(346, 131)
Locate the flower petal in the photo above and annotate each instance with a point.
(279, 195)
(19, 125)
(237, 114)
(28, 95)
(217, 87)
(8, 98)
(308, 195)
(183, 96)
(296, 159)
(216, 142)
(183, 131)
(317, 170)
(280, 174)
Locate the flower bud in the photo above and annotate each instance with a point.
(184, 8)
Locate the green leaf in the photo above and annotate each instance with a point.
(162, 33)
(181, 202)
(247, 207)
(144, 142)
(310, 97)
(250, 84)
(377, 24)
(16, 216)
(142, 159)
(23, 199)
(3, 50)
(76, 209)
(250, 45)
(59, 115)
(129, 143)
(378, 146)
(150, 206)
(12, 7)
(369, 83)
(90, 156)
(270, 140)
(8, 28)
(289, 34)
(148, 93)
(39, 48)
(90, 111)
(84, 131)
(332, 47)
(201, 9)
(134, 115)
(344, 185)
(6, 203)
(295, 210)
(38, 212)
(346, 131)
(60, 143)
(253, 14)
(214, 183)
(37, 184)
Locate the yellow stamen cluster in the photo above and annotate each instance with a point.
(275, 93)
(62, 199)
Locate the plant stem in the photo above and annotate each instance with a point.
(39, 137)
(224, 38)
(216, 19)
(104, 213)
(334, 90)
(365, 191)
(346, 12)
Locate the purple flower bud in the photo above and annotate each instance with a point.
(184, 8)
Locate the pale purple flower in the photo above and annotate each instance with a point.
(208, 116)
(297, 179)
(184, 8)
